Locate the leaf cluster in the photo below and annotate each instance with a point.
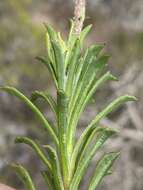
(77, 74)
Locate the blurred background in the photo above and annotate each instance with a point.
(22, 37)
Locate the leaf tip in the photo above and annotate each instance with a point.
(112, 77)
(18, 140)
(131, 98)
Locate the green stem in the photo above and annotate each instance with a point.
(62, 102)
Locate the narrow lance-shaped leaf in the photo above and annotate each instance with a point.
(62, 102)
(72, 36)
(72, 41)
(82, 67)
(90, 129)
(41, 117)
(112, 106)
(57, 175)
(59, 58)
(79, 146)
(70, 46)
(96, 84)
(48, 180)
(77, 74)
(84, 33)
(40, 153)
(91, 89)
(52, 33)
(86, 146)
(82, 166)
(62, 43)
(102, 169)
(50, 50)
(72, 66)
(87, 95)
(79, 149)
(50, 67)
(83, 93)
(90, 55)
(24, 176)
(87, 62)
(46, 97)
(68, 56)
(50, 36)
(78, 102)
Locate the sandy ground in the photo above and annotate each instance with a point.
(5, 187)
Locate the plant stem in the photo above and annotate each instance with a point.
(79, 15)
(62, 124)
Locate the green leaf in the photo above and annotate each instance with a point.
(46, 97)
(85, 149)
(72, 36)
(90, 55)
(80, 148)
(89, 131)
(90, 67)
(102, 136)
(72, 66)
(112, 106)
(50, 67)
(102, 169)
(86, 94)
(56, 170)
(81, 94)
(77, 74)
(62, 102)
(96, 84)
(39, 115)
(40, 153)
(50, 36)
(91, 89)
(24, 176)
(48, 180)
(59, 59)
(62, 43)
(52, 33)
(84, 33)
(108, 109)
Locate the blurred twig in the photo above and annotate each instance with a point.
(79, 15)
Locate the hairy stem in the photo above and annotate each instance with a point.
(79, 15)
